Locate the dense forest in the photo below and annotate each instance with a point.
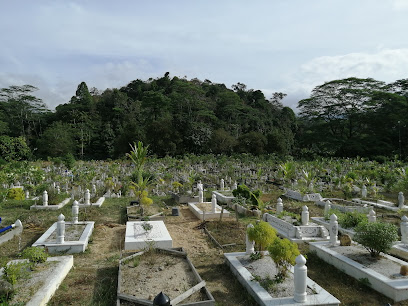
(175, 116)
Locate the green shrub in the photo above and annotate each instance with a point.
(15, 271)
(351, 219)
(376, 237)
(262, 233)
(35, 254)
(283, 252)
(245, 192)
(15, 194)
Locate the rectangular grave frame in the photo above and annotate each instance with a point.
(176, 252)
(262, 297)
(51, 207)
(396, 289)
(68, 247)
(208, 214)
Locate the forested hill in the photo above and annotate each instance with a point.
(173, 115)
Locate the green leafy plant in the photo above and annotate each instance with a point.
(283, 252)
(35, 255)
(15, 194)
(245, 192)
(15, 271)
(262, 233)
(351, 219)
(376, 237)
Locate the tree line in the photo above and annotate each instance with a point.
(176, 116)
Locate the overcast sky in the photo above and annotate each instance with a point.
(289, 46)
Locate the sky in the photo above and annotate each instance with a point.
(288, 46)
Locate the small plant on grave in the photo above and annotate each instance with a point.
(147, 226)
(35, 255)
(283, 252)
(289, 214)
(15, 194)
(15, 271)
(255, 256)
(262, 233)
(376, 237)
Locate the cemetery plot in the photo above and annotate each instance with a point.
(145, 234)
(140, 213)
(226, 234)
(383, 273)
(249, 273)
(144, 275)
(74, 239)
(36, 286)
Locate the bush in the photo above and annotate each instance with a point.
(35, 254)
(376, 237)
(245, 192)
(283, 252)
(351, 219)
(15, 194)
(262, 233)
(15, 271)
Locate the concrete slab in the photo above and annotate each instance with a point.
(137, 238)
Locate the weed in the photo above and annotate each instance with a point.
(15, 271)
(35, 254)
(364, 282)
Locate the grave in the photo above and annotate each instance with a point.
(318, 295)
(224, 196)
(343, 205)
(45, 205)
(139, 237)
(380, 204)
(297, 233)
(400, 248)
(66, 237)
(208, 210)
(295, 195)
(185, 288)
(388, 282)
(60, 269)
(326, 224)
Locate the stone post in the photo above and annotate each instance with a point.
(222, 185)
(404, 230)
(401, 199)
(45, 198)
(235, 186)
(200, 196)
(61, 229)
(311, 186)
(327, 207)
(93, 189)
(72, 195)
(305, 215)
(249, 244)
(87, 197)
(371, 215)
(279, 206)
(300, 279)
(213, 202)
(364, 192)
(334, 229)
(75, 212)
(27, 194)
(58, 190)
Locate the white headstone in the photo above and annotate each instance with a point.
(404, 230)
(371, 215)
(250, 245)
(327, 207)
(27, 194)
(401, 199)
(45, 198)
(200, 196)
(75, 212)
(213, 203)
(364, 192)
(234, 186)
(305, 215)
(334, 229)
(279, 206)
(222, 185)
(61, 229)
(300, 279)
(87, 197)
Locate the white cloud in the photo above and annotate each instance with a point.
(400, 4)
(385, 65)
